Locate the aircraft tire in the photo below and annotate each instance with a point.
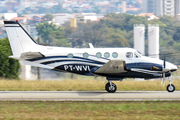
(170, 88)
(110, 89)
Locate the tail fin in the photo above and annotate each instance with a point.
(19, 39)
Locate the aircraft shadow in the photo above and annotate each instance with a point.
(97, 93)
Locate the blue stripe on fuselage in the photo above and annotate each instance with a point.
(50, 62)
(53, 61)
(146, 66)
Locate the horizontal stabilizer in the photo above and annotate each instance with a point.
(31, 55)
(113, 66)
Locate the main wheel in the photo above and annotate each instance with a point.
(171, 88)
(110, 88)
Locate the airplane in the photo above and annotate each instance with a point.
(113, 63)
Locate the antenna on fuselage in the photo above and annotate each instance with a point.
(91, 45)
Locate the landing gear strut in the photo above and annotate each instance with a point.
(110, 87)
(170, 87)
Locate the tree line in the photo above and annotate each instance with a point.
(9, 68)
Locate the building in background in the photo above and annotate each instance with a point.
(61, 18)
(123, 6)
(73, 22)
(149, 16)
(177, 7)
(162, 7)
(153, 40)
(9, 16)
(139, 44)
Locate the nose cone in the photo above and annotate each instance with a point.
(170, 67)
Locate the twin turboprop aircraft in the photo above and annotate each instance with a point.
(113, 63)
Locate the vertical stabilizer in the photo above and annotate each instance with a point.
(19, 39)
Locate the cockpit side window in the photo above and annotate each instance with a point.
(129, 55)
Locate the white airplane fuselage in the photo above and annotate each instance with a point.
(72, 60)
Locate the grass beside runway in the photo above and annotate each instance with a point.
(82, 85)
(39, 110)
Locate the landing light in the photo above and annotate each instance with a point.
(155, 68)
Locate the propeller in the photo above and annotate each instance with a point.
(164, 72)
(165, 69)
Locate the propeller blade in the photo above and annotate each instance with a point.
(164, 62)
(164, 77)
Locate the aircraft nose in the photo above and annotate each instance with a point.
(173, 67)
(170, 67)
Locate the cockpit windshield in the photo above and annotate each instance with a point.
(137, 53)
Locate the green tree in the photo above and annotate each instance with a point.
(9, 68)
(52, 34)
(44, 29)
(114, 38)
(176, 35)
(92, 32)
(58, 39)
(47, 17)
(75, 35)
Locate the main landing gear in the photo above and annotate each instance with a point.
(110, 87)
(170, 87)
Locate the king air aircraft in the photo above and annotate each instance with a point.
(113, 63)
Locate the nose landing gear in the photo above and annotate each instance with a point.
(170, 87)
(110, 87)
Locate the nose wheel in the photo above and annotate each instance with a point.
(170, 87)
(110, 87)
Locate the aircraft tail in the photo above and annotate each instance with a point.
(19, 39)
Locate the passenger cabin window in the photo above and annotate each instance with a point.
(85, 55)
(114, 54)
(106, 55)
(70, 55)
(98, 55)
(129, 55)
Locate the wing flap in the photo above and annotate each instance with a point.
(113, 66)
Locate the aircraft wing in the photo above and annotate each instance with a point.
(113, 66)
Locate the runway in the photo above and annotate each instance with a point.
(88, 95)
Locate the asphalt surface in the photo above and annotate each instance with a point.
(88, 95)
